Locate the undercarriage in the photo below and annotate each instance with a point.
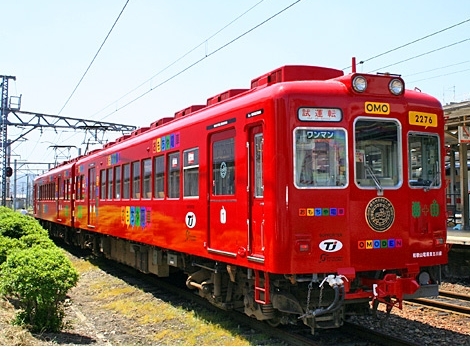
(317, 300)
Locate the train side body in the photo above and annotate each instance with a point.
(300, 179)
(57, 189)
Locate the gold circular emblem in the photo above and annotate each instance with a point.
(380, 214)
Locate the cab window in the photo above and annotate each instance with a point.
(320, 158)
(377, 153)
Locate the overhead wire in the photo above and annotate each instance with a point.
(240, 36)
(92, 61)
(198, 61)
(180, 58)
(423, 54)
(443, 75)
(203, 58)
(437, 68)
(411, 42)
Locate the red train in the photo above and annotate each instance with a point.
(308, 196)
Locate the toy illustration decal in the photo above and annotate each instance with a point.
(380, 214)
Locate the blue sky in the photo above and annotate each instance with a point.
(49, 44)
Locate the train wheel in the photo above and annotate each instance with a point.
(274, 322)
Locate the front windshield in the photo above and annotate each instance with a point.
(377, 152)
(320, 158)
(424, 161)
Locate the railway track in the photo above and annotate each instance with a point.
(377, 337)
(295, 335)
(448, 301)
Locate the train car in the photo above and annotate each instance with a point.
(310, 196)
(53, 196)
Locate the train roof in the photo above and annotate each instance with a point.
(287, 73)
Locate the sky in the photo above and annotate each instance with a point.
(163, 56)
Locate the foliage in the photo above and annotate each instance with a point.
(16, 225)
(43, 241)
(19, 232)
(7, 246)
(33, 271)
(39, 278)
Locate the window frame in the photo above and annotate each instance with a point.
(173, 175)
(136, 180)
(117, 194)
(159, 176)
(342, 166)
(146, 171)
(103, 179)
(191, 173)
(223, 165)
(368, 183)
(109, 183)
(126, 181)
(428, 184)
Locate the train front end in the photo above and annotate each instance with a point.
(365, 211)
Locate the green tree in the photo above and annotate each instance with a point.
(34, 271)
(16, 225)
(39, 278)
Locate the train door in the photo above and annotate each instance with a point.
(91, 196)
(227, 236)
(256, 192)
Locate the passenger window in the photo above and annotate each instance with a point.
(103, 184)
(258, 161)
(136, 180)
(126, 188)
(117, 187)
(61, 188)
(147, 175)
(191, 172)
(65, 189)
(109, 184)
(174, 175)
(223, 167)
(80, 187)
(77, 187)
(159, 170)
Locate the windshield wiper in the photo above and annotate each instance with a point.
(435, 179)
(375, 179)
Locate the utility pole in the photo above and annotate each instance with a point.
(36, 120)
(5, 143)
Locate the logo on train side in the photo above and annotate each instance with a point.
(377, 107)
(190, 220)
(380, 214)
(330, 245)
(380, 244)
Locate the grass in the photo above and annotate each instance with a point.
(162, 322)
(148, 319)
(147, 311)
(82, 265)
(12, 335)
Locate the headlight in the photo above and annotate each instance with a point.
(396, 86)
(359, 84)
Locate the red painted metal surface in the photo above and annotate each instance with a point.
(284, 228)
